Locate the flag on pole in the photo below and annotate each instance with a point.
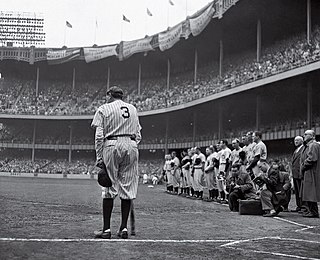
(170, 2)
(68, 24)
(148, 12)
(125, 19)
(97, 23)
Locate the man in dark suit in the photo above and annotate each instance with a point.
(310, 168)
(296, 172)
(273, 198)
(241, 187)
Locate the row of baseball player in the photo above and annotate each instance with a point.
(244, 173)
(197, 170)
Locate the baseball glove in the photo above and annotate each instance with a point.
(103, 176)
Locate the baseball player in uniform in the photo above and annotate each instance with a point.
(224, 162)
(259, 154)
(167, 169)
(116, 138)
(176, 172)
(249, 147)
(235, 152)
(199, 160)
(186, 175)
(193, 156)
(211, 181)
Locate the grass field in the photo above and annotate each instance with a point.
(55, 219)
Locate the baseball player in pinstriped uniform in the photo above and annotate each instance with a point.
(198, 170)
(116, 138)
(224, 162)
(211, 180)
(176, 172)
(185, 166)
(167, 170)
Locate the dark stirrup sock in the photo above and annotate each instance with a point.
(125, 210)
(107, 206)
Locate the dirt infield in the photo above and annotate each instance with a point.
(55, 219)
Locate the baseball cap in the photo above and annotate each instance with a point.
(115, 90)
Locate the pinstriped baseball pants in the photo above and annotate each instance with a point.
(121, 159)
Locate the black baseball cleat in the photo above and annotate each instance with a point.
(133, 232)
(103, 234)
(310, 215)
(123, 233)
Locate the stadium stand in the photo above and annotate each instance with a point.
(59, 98)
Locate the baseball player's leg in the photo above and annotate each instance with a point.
(265, 198)
(211, 183)
(127, 178)
(201, 183)
(188, 181)
(169, 178)
(192, 189)
(183, 183)
(132, 220)
(110, 159)
(108, 194)
(175, 181)
(233, 201)
(197, 183)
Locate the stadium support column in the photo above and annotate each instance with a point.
(258, 40)
(195, 66)
(221, 58)
(166, 135)
(108, 78)
(139, 80)
(308, 20)
(33, 140)
(220, 127)
(258, 104)
(74, 79)
(309, 104)
(168, 73)
(70, 142)
(37, 88)
(37, 82)
(194, 128)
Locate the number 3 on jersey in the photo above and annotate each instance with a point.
(125, 113)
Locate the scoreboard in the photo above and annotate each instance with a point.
(21, 29)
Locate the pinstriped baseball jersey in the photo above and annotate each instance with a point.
(115, 118)
(120, 155)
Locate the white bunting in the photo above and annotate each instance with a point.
(92, 54)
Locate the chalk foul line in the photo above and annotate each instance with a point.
(8, 239)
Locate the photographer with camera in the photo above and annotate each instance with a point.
(241, 187)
